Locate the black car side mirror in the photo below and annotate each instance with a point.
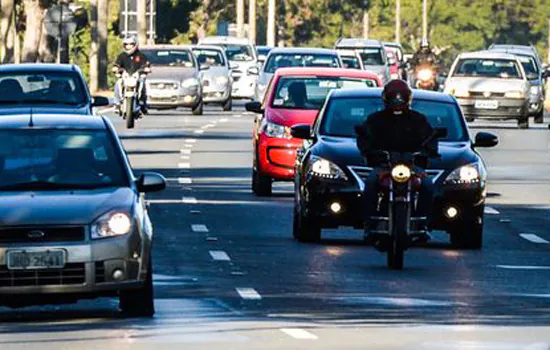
(301, 131)
(100, 101)
(150, 182)
(485, 139)
(546, 74)
(253, 71)
(254, 106)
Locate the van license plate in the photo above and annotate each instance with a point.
(487, 104)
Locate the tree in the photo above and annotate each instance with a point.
(7, 29)
(34, 12)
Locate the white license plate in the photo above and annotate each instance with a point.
(34, 260)
(487, 104)
(160, 94)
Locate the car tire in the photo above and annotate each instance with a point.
(228, 105)
(198, 109)
(539, 117)
(523, 123)
(139, 303)
(262, 185)
(468, 234)
(304, 228)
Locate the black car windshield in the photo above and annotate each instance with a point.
(40, 88)
(56, 159)
(343, 114)
(311, 92)
(238, 53)
(351, 62)
(277, 61)
(372, 57)
(212, 58)
(488, 68)
(181, 58)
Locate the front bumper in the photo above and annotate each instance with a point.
(89, 268)
(277, 157)
(507, 108)
(216, 94)
(244, 86)
(188, 97)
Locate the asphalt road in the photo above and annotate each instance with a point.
(228, 274)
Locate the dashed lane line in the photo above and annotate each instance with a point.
(189, 145)
(185, 180)
(189, 200)
(184, 165)
(199, 228)
(185, 151)
(491, 211)
(199, 132)
(298, 333)
(219, 255)
(185, 157)
(531, 237)
(190, 140)
(248, 294)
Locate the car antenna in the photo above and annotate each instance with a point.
(31, 122)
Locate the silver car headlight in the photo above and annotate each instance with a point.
(189, 83)
(467, 174)
(323, 168)
(277, 131)
(112, 224)
(515, 94)
(222, 80)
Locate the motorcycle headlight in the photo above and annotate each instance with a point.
(467, 174)
(323, 168)
(188, 83)
(515, 94)
(112, 224)
(277, 131)
(535, 90)
(401, 173)
(425, 74)
(222, 80)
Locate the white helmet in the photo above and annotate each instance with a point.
(130, 44)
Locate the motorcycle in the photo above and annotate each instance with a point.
(400, 180)
(426, 78)
(131, 90)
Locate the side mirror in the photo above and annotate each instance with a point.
(233, 65)
(150, 182)
(254, 106)
(204, 67)
(100, 101)
(546, 74)
(301, 131)
(253, 71)
(485, 139)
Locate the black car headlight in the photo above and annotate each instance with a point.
(467, 174)
(325, 169)
(112, 224)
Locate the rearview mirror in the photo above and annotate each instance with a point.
(253, 71)
(100, 101)
(301, 131)
(150, 182)
(485, 139)
(254, 106)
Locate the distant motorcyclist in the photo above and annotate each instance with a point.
(131, 60)
(397, 128)
(424, 67)
(424, 56)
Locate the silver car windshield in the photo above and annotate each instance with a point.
(488, 68)
(182, 58)
(372, 57)
(238, 53)
(42, 159)
(212, 58)
(277, 61)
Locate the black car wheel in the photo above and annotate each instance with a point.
(261, 185)
(468, 233)
(539, 117)
(198, 109)
(139, 303)
(523, 123)
(228, 105)
(305, 228)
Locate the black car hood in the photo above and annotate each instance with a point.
(61, 207)
(44, 109)
(344, 152)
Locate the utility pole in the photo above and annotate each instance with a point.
(240, 18)
(102, 32)
(252, 21)
(548, 58)
(425, 19)
(142, 21)
(152, 16)
(94, 48)
(365, 20)
(271, 23)
(398, 21)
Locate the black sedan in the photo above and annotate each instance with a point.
(331, 171)
(73, 222)
(45, 88)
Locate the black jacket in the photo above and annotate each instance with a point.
(424, 58)
(386, 131)
(132, 63)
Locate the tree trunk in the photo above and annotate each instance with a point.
(33, 30)
(142, 21)
(7, 9)
(48, 48)
(94, 48)
(102, 30)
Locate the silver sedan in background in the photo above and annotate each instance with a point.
(217, 81)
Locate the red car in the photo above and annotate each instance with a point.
(294, 96)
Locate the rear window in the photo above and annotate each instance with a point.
(488, 68)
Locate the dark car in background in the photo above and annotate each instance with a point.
(45, 88)
(330, 175)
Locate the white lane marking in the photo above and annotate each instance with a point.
(491, 211)
(531, 237)
(199, 131)
(184, 165)
(185, 151)
(224, 120)
(185, 180)
(219, 255)
(298, 333)
(204, 127)
(524, 267)
(199, 228)
(189, 145)
(191, 140)
(248, 294)
(185, 157)
(189, 200)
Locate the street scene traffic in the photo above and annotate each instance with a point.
(251, 184)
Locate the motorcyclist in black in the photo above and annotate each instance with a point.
(397, 128)
(131, 60)
(424, 56)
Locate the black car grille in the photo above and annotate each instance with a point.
(42, 234)
(362, 173)
(163, 86)
(99, 272)
(486, 95)
(70, 274)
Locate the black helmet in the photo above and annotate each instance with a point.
(397, 95)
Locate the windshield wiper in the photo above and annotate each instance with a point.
(47, 185)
